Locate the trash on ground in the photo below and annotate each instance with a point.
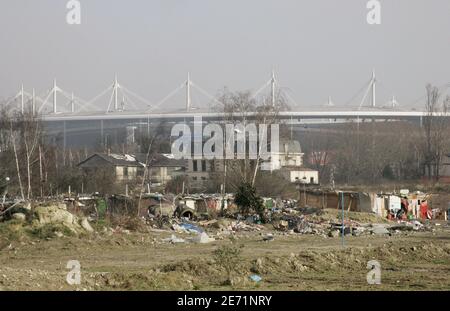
(255, 278)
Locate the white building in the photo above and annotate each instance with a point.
(300, 175)
(289, 162)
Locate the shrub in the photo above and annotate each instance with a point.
(248, 201)
(228, 257)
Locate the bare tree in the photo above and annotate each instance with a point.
(240, 108)
(435, 130)
(30, 135)
(153, 142)
(13, 142)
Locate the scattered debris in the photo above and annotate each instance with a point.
(173, 239)
(191, 228)
(255, 278)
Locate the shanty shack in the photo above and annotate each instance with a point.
(353, 201)
(201, 204)
(156, 204)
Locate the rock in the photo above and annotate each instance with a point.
(59, 234)
(86, 225)
(19, 216)
(56, 214)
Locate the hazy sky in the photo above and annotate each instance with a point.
(317, 47)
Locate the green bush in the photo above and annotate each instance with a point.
(248, 201)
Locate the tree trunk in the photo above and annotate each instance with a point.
(13, 140)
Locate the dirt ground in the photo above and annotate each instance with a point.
(142, 261)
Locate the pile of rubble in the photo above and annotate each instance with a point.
(302, 221)
(46, 214)
(299, 224)
(287, 221)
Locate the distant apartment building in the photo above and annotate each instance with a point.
(163, 168)
(288, 162)
(201, 171)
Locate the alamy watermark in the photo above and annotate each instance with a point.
(374, 275)
(374, 14)
(240, 141)
(74, 275)
(73, 16)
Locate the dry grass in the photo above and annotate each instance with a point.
(412, 261)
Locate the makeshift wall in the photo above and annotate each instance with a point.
(353, 201)
(440, 204)
(378, 203)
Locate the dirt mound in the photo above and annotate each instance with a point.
(309, 263)
(149, 280)
(199, 267)
(43, 222)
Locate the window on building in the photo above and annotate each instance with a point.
(125, 171)
(203, 165)
(203, 178)
(311, 180)
(195, 168)
(194, 178)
